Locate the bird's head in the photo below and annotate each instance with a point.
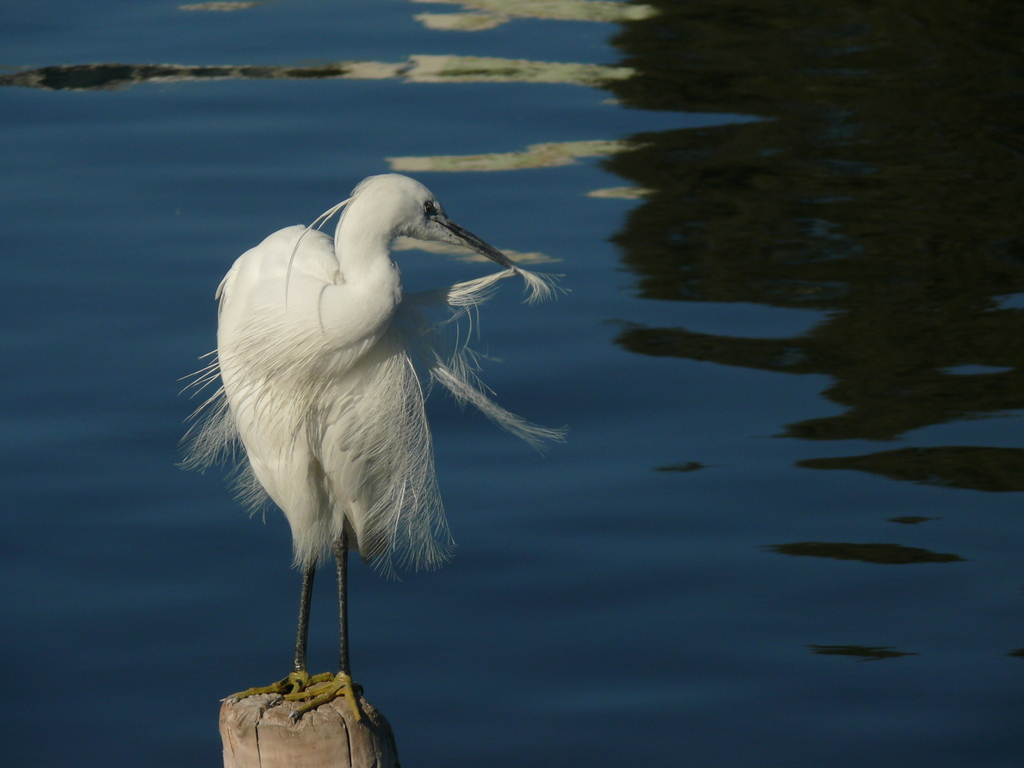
(399, 205)
(383, 207)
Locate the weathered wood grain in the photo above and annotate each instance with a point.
(257, 732)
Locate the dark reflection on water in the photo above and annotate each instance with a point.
(882, 554)
(860, 652)
(977, 468)
(690, 466)
(885, 189)
(882, 187)
(911, 519)
(464, 69)
(86, 77)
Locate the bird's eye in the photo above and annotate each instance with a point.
(429, 208)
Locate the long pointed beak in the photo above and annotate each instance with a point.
(465, 237)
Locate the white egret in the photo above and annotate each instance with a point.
(320, 358)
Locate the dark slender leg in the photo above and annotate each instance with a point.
(328, 687)
(299, 679)
(341, 557)
(302, 637)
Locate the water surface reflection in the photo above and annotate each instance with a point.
(884, 189)
(857, 232)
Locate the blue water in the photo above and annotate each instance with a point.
(598, 611)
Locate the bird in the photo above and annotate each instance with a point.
(323, 364)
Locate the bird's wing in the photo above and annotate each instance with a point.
(256, 345)
(376, 454)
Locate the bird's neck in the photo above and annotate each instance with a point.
(363, 249)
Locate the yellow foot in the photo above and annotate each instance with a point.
(325, 688)
(296, 682)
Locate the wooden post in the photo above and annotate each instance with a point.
(258, 732)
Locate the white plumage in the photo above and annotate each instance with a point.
(321, 358)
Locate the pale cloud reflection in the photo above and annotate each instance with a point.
(417, 69)
(534, 156)
(486, 14)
